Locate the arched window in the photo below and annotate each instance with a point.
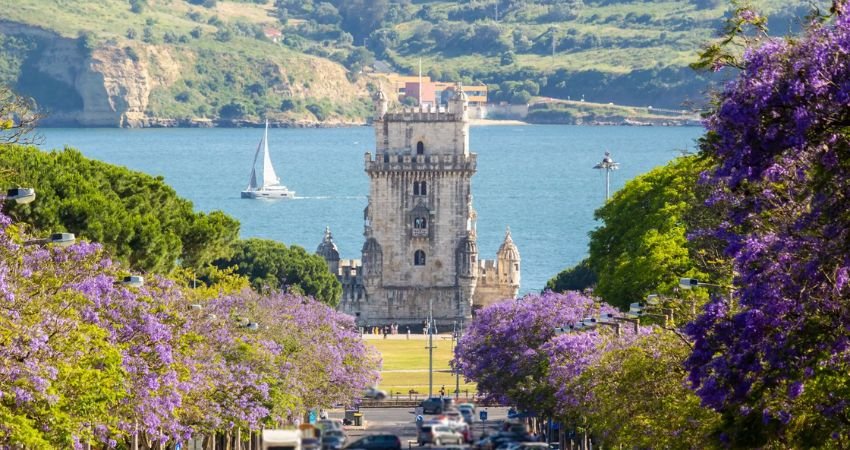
(420, 148)
(386, 157)
(420, 188)
(420, 223)
(419, 258)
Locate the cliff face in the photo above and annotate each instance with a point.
(113, 88)
(129, 83)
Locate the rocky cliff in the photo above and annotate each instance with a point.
(129, 83)
(112, 84)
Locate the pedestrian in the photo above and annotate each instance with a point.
(386, 331)
(443, 391)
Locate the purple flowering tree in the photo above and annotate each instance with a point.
(774, 357)
(85, 359)
(504, 349)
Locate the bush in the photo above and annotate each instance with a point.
(232, 110)
(318, 110)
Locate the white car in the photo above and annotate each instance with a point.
(374, 393)
(443, 434)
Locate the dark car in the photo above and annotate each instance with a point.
(435, 405)
(376, 442)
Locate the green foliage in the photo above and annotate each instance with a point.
(641, 397)
(642, 247)
(576, 278)
(137, 217)
(270, 264)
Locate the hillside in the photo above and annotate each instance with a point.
(299, 62)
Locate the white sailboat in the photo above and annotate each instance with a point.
(271, 187)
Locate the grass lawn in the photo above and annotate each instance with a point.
(405, 365)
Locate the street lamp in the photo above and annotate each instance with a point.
(607, 165)
(135, 281)
(689, 283)
(57, 239)
(21, 195)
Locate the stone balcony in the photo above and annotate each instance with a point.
(396, 161)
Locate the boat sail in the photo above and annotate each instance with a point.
(271, 187)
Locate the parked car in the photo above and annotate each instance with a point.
(467, 413)
(465, 431)
(435, 405)
(329, 424)
(443, 434)
(425, 434)
(376, 442)
(454, 416)
(374, 393)
(333, 439)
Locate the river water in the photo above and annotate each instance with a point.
(538, 180)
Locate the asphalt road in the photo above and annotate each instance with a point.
(402, 423)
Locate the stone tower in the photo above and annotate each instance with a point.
(420, 249)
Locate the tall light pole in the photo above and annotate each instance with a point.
(607, 165)
(430, 347)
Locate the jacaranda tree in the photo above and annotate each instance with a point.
(86, 359)
(774, 358)
(504, 349)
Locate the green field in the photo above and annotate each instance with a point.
(405, 366)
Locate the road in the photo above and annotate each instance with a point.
(402, 423)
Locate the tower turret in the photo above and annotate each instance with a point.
(327, 250)
(381, 104)
(508, 261)
(460, 102)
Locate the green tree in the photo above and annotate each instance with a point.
(270, 264)
(641, 397)
(642, 247)
(137, 217)
(576, 278)
(507, 58)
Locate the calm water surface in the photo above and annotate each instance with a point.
(536, 179)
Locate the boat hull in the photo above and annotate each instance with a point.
(271, 194)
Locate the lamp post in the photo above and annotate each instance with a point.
(607, 164)
(58, 239)
(21, 195)
(135, 281)
(430, 347)
(690, 283)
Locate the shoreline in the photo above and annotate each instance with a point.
(163, 124)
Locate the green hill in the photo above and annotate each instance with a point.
(206, 62)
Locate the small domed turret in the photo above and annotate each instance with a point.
(508, 260)
(327, 250)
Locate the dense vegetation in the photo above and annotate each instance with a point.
(137, 217)
(761, 362)
(270, 264)
(143, 223)
(223, 60)
(87, 360)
